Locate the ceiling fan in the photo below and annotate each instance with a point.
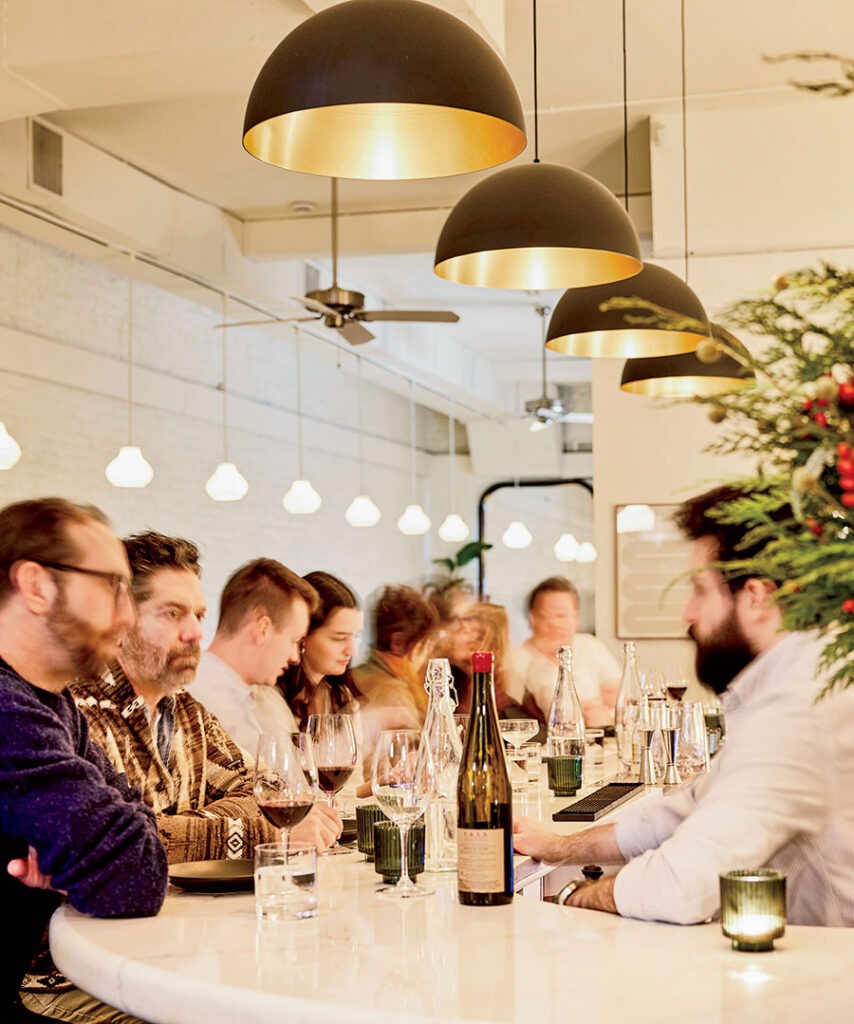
(343, 310)
(544, 410)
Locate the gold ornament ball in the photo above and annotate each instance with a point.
(708, 351)
(717, 414)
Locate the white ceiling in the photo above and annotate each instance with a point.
(163, 85)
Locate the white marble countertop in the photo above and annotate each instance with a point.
(202, 960)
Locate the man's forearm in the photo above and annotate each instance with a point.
(598, 895)
(597, 845)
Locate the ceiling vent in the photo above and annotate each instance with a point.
(46, 158)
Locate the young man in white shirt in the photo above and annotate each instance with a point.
(263, 618)
(778, 793)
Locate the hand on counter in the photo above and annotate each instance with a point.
(321, 827)
(26, 870)
(597, 844)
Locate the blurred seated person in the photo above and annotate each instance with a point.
(553, 616)
(485, 627)
(322, 683)
(449, 598)
(390, 681)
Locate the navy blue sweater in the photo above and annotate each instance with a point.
(92, 831)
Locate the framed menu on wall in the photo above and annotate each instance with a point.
(652, 559)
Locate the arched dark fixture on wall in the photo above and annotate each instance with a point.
(550, 481)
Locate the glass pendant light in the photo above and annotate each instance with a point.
(129, 468)
(301, 499)
(10, 450)
(362, 512)
(226, 482)
(384, 89)
(454, 528)
(586, 552)
(516, 536)
(580, 327)
(414, 521)
(536, 227)
(566, 548)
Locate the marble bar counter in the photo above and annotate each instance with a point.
(204, 960)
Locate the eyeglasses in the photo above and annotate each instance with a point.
(119, 584)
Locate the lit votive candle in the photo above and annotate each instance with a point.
(753, 908)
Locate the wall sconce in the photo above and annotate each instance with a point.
(753, 908)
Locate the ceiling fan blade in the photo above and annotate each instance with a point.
(577, 417)
(318, 307)
(438, 316)
(272, 320)
(353, 332)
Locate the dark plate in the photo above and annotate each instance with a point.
(213, 876)
(350, 832)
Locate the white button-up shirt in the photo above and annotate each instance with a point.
(779, 794)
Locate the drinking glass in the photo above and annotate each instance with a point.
(335, 753)
(692, 754)
(281, 785)
(402, 781)
(461, 722)
(515, 732)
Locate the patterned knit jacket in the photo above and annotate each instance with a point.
(203, 796)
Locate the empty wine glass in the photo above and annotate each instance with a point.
(335, 751)
(692, 754)
(402, 781)
(517, 731)
(281, 785)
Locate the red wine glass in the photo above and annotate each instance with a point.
(335, 751)
(281, 784)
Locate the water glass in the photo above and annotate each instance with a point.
(532, 759)
(285, 881)
(692, 753)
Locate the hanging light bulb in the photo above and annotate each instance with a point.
(301, 499)
(566, 548)
(10, 450)
(635, 519)
(454, 528)
(226, 483)
(362, 512)
(130, 467)
(586, 552)
(414, 520)
(516, 536)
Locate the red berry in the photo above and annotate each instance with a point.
(848, 605)
(823, 402)
(843, 450)
(846, 393)
(807, 404)
(815, 527)
(845, 467)
(820, 419)
(847, 499)
(846, 483)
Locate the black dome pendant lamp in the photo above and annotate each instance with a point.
(537, 227)
(384, 89)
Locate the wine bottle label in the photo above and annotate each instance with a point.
(480, 859)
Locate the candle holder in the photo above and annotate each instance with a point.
(753, 908)
(366, 815)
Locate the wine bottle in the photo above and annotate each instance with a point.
(484, 800)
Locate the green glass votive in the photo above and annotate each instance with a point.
(387, 850)
(366, 815)
(753, 908)
(564, 772)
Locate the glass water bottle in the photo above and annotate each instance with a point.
(626, 708)
(441, 733)
(565, 724)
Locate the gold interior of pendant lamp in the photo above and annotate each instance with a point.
(384, 89)
(685, 376)
(537, 227)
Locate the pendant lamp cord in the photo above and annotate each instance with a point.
(452, 453)
(130, 349)
(543, 312)
(684, 145)
(536, 94)
(225, 378)
(299, 403)
(412, 439)
(359, 417)
(334, 232)
(625, 115)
